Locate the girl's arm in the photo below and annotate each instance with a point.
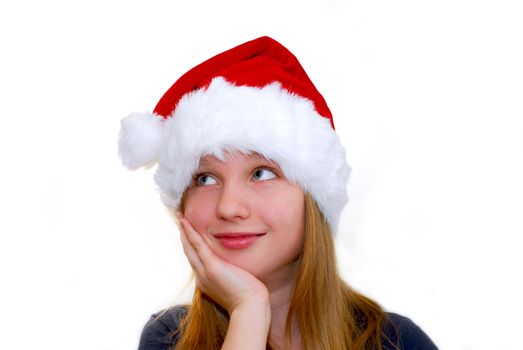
(248, 327)
(245, 298)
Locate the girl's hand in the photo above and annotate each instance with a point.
(230, 286)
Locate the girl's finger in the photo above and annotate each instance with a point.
(205, 254)
(192, 236)
(191, 254)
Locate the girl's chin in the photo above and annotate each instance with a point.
(249, 266)
(252, 267)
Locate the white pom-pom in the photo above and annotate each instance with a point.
(140, 139)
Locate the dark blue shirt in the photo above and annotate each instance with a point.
(158, 333)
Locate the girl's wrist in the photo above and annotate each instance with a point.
(249, 326)
(257, 310)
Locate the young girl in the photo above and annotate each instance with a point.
(249, 160)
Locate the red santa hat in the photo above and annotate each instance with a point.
(255, 97)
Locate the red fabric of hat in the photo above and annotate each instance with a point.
(255, 63)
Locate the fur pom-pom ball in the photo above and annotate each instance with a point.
(140, 139)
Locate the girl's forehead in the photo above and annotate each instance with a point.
(229, 157)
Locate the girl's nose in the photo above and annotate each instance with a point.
(233, 203)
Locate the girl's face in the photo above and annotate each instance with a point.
(248, 213)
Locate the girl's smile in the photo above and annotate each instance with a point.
(237, 240)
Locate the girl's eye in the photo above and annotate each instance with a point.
(204, 180)
(263, 174)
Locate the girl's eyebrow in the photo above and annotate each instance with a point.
(206, 163)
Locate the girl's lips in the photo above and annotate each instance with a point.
(237, 240)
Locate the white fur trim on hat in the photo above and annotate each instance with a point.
(140, 139)
(271, 121)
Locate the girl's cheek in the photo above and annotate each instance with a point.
(198, 211)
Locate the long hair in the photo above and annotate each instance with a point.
(329, 314)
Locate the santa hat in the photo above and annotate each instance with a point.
(255, 97)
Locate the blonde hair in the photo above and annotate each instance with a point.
(329, 314)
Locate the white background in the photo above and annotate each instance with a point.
(427, 99)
